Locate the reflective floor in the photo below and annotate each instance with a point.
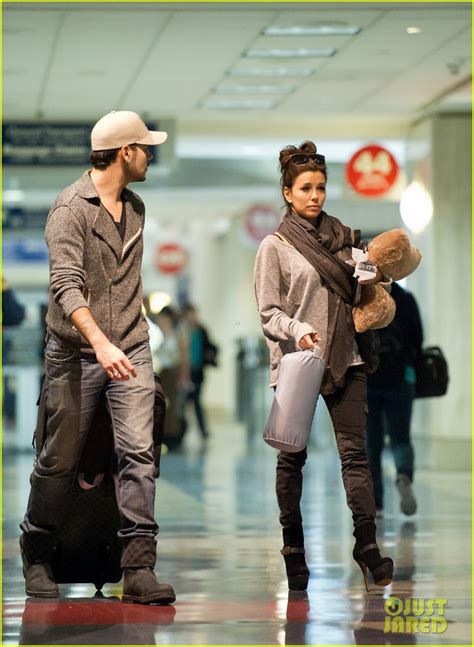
(219, 547)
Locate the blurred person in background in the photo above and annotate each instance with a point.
(13, 314)
(172, 365)
(305, 292)
(98, 343)
(391, 391)
(202, 353)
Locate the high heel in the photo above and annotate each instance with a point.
(367, 555)
(363, 568)
(297, 571)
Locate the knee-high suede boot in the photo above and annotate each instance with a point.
(293, 553)
(139, 580)
(289, 487)
(366, 553)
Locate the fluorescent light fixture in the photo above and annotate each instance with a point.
(413, 30)
(312, 30)
(158, 301)
(269, 88)
(238, 104)
(13, 195)
(300, 52)
(416, 207)
(271, 71)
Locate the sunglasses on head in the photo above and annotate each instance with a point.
(303, 158)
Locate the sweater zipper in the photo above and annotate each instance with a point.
(110, 307)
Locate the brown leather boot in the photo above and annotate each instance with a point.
(39, 582)
(139, 580)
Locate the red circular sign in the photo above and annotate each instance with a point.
(261, 220)
(372, 171)
(171, 258)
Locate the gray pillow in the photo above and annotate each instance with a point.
(294, 402)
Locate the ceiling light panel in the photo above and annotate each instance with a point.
(312, 30)
(249, 88)
(238, 104)
(293, 52)
(271, 72)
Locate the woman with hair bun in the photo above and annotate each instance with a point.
(305, 293)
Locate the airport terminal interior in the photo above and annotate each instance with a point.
(384, 90)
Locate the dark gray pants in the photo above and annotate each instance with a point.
(348, 410)
(75, 383)
(390, 411)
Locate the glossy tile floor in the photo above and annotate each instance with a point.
(219, 547)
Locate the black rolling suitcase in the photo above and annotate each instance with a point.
(88, 549)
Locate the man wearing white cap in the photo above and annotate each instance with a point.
(98, 342)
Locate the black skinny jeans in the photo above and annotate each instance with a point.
(348, 410)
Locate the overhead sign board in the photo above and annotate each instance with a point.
(49, 144)
(46, 144)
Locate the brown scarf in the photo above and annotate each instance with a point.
(318, 243)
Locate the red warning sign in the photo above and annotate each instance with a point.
(372, 171)
(171, 258)
(261, 220)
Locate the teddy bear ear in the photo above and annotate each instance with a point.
(394, 254)
(408, 264)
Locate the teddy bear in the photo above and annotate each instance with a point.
(396, 258)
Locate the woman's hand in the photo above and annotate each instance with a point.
(309, 341)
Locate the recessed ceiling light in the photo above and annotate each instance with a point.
(272, 71)
(238, 104)
(91, 72)
(301, 52)
(269, 88)
(315, 30)
(413, 30)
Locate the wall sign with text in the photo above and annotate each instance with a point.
(261, 220)
(49, 144)
(171, 258)
(372, 171)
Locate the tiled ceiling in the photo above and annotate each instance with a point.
(76, 61)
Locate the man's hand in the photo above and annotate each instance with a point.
(309, 341)
(112, 359)
(114, 362)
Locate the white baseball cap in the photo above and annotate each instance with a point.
(117, 129)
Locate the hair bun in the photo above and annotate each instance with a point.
(285, 154)
(308, 147)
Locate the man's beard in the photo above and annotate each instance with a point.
(135, 177)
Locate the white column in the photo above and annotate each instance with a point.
(443, 290)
